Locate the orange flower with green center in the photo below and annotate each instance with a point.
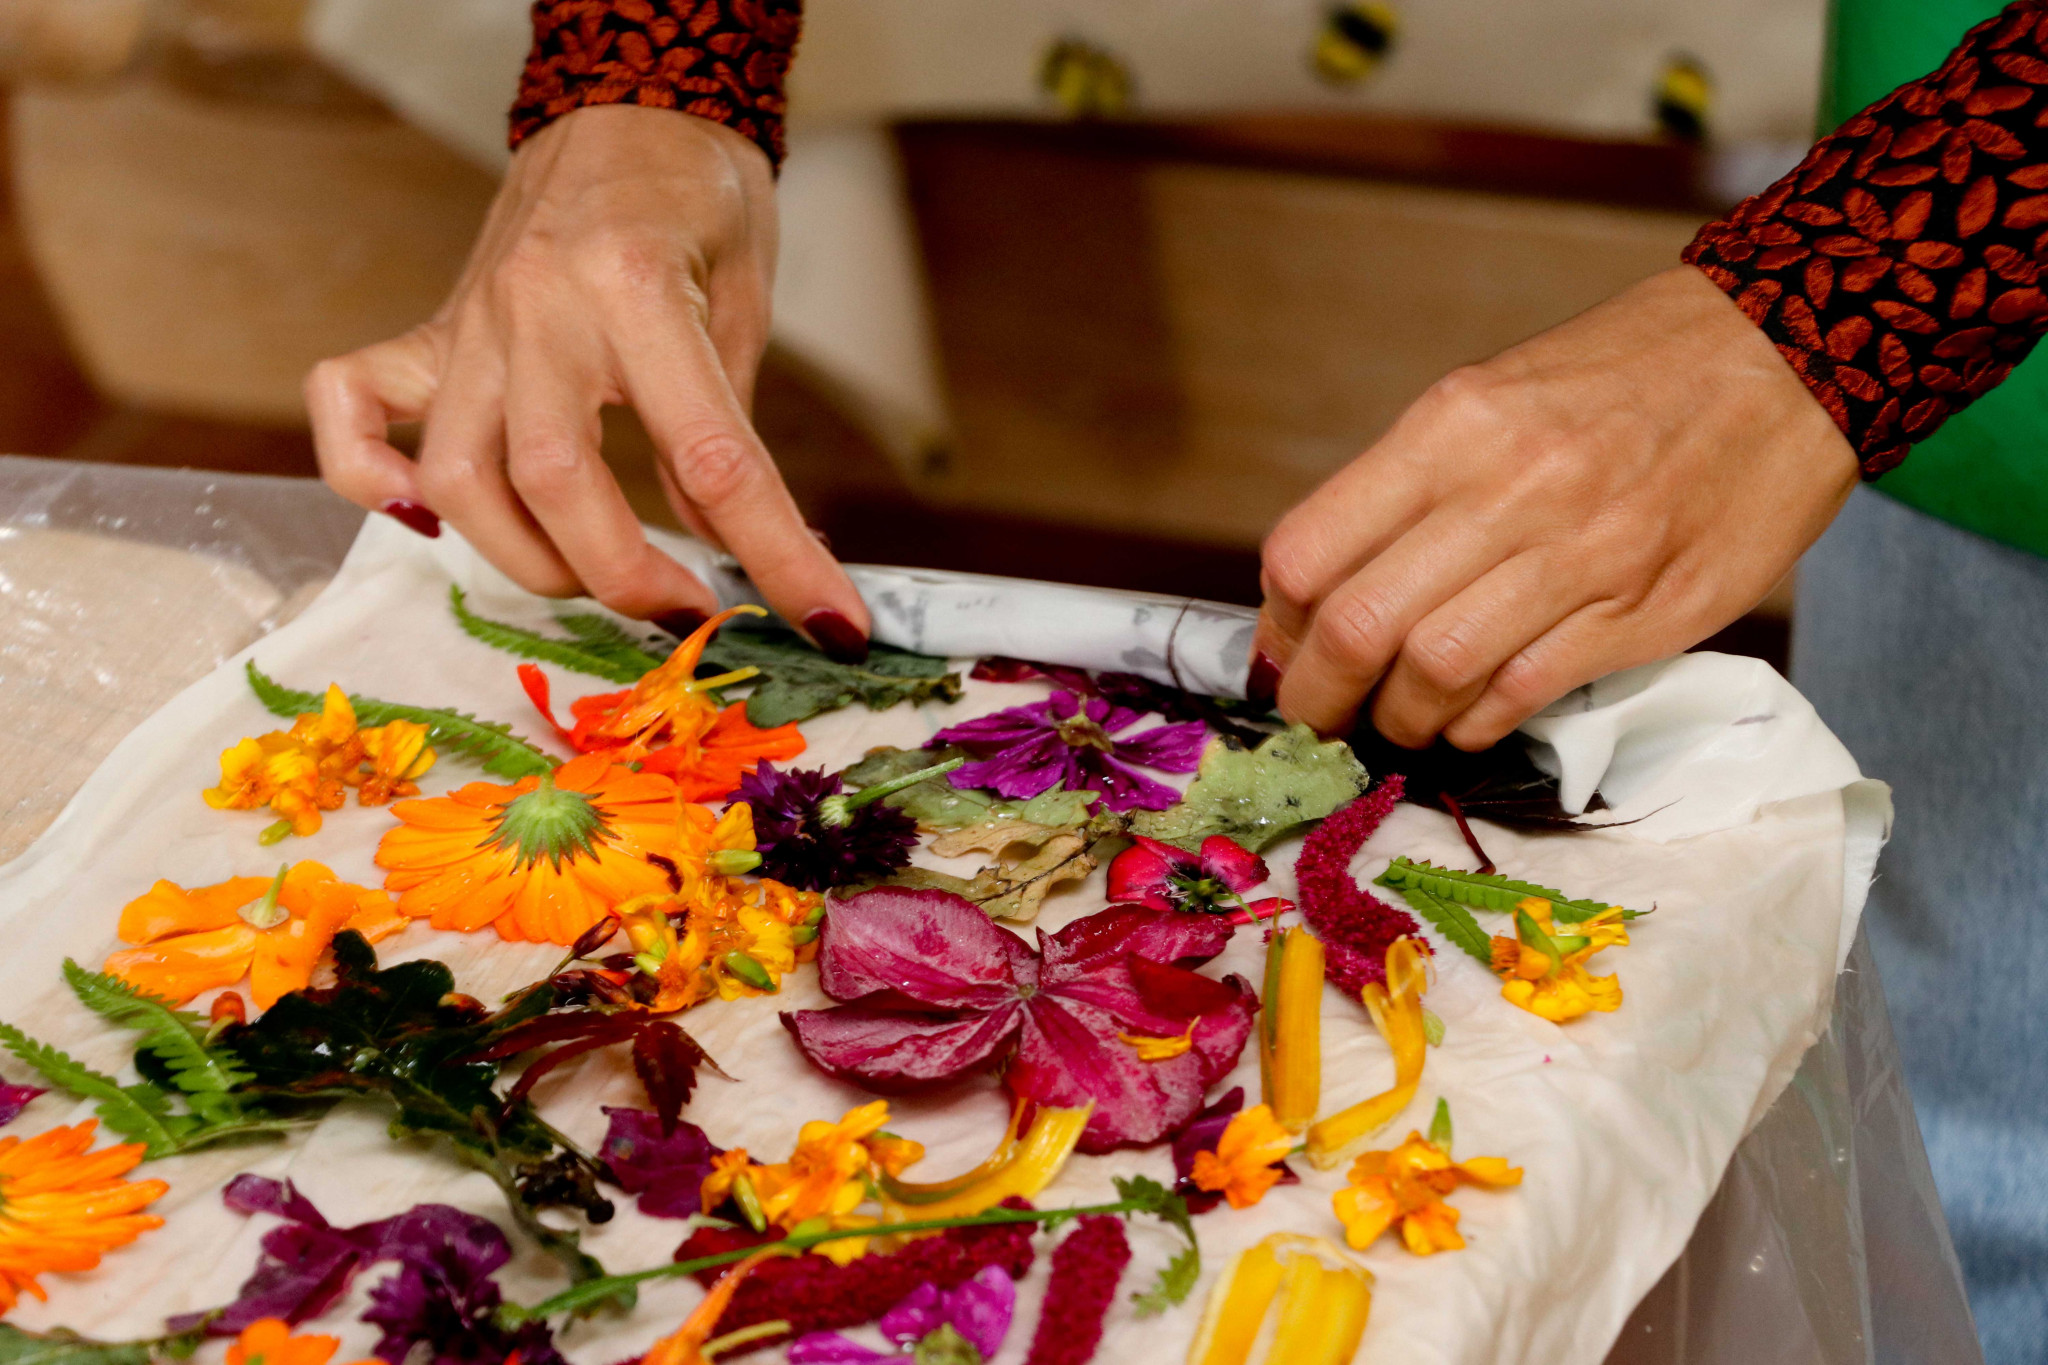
(271, 931)
(1544, 972)
(669, 722)
(1405, 1188)
(269, 1341)
(540, 861)
(62, 1205)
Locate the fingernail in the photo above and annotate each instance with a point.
(682, 622)
(413, 515)
(818, 534)
(1262, 687)
(836, 635)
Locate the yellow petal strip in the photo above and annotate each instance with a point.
(1396, 1009)
(912, 1192)
(1045, 1147)
(1291, 1033)
(1323, 1300)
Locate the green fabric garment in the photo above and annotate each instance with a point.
(1986, 469)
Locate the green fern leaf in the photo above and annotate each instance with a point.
(609, 638)
(1176, 1279)
(137, 1111)
(603, 660)
(491, 744)
(1450, 919)
(176, 1037)
(1489, 891)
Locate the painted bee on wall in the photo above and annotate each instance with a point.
(1684, 96)
(1085, 80)
(1354, 39)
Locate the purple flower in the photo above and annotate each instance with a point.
(1065, 739)
(801, 849)
(979, 1310)
(666, 1173)
(1202, 1135)
(15, 1098)
(443, 1294)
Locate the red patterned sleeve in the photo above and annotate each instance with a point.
(1898, 267)
(718, 59)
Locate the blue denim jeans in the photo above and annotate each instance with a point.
(1926, 649)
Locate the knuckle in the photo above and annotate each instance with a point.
(628, 260)
(1444, 658)
(545, 470)
(1358, 628)
(717, 468)
(619, 584)
(445, 482)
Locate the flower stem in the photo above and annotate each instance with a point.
(597, 1290)
(835, 811)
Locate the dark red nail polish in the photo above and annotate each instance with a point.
(414, 515)
(836, 636)
(682, 622)
(1262, 687)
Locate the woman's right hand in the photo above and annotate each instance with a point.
(628, 258)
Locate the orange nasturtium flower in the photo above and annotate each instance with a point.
(668, 722)
(825, 1179)
(1242, 1168)
(272, 931)
(305, 770)
(269, 1341)
(62, 1205)
(1406, 1187)
(690, 1344)
(1544, 972)
(540, 861)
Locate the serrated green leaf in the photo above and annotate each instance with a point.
(1057, 809)
(176, 1037)
(610, 640)
(139, 1111)
(1490, 891)
(798, 682)
(1258, 795)
(1449, 918)
(490, 744)
(1176, 1281)
(603, 659)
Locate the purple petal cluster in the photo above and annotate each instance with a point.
(664, 1171)
(800, 850)
(979, 1310)
(1085, 1269)
(442, 1296)
(938, 992)
(1071, 740)
(15, 1098)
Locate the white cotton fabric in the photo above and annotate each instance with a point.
(1624, 1122)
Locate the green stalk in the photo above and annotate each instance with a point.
(595, 1291)
(837, 810)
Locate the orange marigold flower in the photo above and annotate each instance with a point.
(269, 1341)
(62, 1205)
(1243, 1166)
(272, 932)
(1545, 973)
(669, 723)
(540, 861)
(1406, 1188)
(303, 771)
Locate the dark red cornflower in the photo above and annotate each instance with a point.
(1085, 1269)
(1355, 926)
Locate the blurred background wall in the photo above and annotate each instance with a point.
(1088, 290)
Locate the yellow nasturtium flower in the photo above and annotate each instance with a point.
(1544, 972)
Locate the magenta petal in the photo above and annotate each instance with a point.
(981, 1309)
(1236, 866)
(1220, 1036)
(1169, 748)
(918, 1313)
(1026, 769)
(1140, 875)
(664, 1171)
(1002, 727)
(927, 946)
(1106, 940)
(830, 1348)
(1069, 1055)
(1122, 786)
(15, 1098)
(897, 1051)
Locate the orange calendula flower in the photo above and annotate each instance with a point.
(61, 1205)
(269, 1341)
(669, 723)
(303, 771)
(540, 861)
(1545, 972)
(825, 1173)
(1242, 1168)
(272, 932)
(1406, 1188)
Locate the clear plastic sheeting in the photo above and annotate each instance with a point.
(1825, 1242)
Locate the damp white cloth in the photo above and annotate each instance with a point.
(1623, 1122)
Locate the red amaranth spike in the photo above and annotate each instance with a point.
(1085, 1269)
(1355, 926)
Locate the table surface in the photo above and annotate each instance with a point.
(120, 586)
